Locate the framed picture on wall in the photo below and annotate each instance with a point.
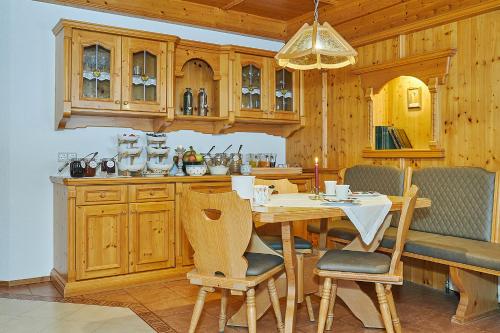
(414, 98)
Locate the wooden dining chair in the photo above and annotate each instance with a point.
(219, 227)
(270, 233)
(374, 267)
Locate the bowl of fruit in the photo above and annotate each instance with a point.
(191, 157)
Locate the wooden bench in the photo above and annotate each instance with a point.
(460, 230)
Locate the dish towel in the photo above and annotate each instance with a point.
(367, 217)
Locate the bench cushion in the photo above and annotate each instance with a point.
(462, 202)
(355, 261)
(259, 263)
(455, 249)
(275, 243)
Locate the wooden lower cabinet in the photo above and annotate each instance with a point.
(151, 235)
(101, 240)
(116, 232)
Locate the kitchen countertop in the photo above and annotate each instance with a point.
(149, 180)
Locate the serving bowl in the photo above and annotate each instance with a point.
(218, 170)
(196, 169)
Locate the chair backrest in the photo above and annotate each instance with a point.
(281, 186)
(384, 179)
(463, 201)
(409, 200)
(219, 227)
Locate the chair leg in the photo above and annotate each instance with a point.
(384, 308)
(392, 307)
(323, 307)
(309, 307)
(273, 295)
(329, 318)
(198, 307)
(251, 311)
(223, 310)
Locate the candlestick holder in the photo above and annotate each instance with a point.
(316, 195)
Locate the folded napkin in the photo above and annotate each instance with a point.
(367, 217)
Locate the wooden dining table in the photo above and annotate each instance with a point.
(356, 300)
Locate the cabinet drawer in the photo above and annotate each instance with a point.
(210, 187)
(151, 192)
(90, 195)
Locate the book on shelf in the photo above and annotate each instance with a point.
(389, 137)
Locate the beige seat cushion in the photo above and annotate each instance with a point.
(355, 261)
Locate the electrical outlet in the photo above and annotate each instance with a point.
(62, 157)
(72, 156)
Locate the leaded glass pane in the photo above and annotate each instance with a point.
(250, 87)
(284, 90)
(96, 72)
(144, 69)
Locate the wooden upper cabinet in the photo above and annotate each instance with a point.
(284, 95)
(96, 70)
(151, 236)
(251, 86)
(101, 241)
(144, 74)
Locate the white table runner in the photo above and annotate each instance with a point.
(366, 217)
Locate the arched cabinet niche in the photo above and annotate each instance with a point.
(392, 93)
(197, 66)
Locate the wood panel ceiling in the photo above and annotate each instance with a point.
(360, 22)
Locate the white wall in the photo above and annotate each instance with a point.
(29, 120)
(4, 146)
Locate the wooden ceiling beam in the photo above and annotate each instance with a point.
(232, 4)
(190, 13)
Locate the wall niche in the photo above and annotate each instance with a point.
(404, 104)
(405, 93)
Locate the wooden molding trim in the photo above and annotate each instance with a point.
(190, 13)
(424, 67)
(403, 153)
(23, 282)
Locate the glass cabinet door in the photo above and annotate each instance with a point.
(284, 90)
(96, 70)
(144, 86)
(250, 87)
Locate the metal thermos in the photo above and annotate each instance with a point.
(202, 102)
(188, 102)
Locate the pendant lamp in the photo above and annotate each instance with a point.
(316, 46)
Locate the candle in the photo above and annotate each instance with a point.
(316, 176)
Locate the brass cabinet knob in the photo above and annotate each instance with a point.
(117, 101)
(102, 195)
(125, 103)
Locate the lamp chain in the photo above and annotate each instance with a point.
(316, 3)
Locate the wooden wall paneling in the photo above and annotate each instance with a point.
(304, 145)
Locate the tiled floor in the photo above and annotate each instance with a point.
(167, 307)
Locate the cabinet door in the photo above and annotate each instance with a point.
(252, 86)
(151, 236)
(144, 75)
(101, 241)
(284, 97)
(96, 70)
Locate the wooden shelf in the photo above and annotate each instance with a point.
(181, 117)
(403, 153)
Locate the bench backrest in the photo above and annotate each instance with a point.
(384, 179)
(462, 201)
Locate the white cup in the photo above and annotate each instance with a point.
(261, 194)
(243, 185)
(330, 187)
(342, 192)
